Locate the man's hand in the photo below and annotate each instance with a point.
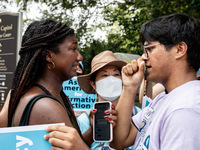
(133, 73)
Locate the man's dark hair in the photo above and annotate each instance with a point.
(173, 29)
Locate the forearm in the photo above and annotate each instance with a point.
(88, 137)
(148, 90)
(4, 112)
(141, 91)
(122, 131)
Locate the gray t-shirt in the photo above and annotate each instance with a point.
(171, 121)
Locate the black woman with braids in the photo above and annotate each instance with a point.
(48, 56)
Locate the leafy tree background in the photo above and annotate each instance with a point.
(121, 20)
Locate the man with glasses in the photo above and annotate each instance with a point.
(171, 57)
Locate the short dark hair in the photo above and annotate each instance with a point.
(173, 29)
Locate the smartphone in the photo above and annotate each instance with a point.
(102, 129)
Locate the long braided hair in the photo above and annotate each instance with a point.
(39, 36)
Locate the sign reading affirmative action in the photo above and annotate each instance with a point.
(79, 99)
(10, 37)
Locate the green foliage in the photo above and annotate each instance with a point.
(124, 19)
(126, 39)
(90, 51)
(130, 16)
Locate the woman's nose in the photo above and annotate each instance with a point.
(79, 56)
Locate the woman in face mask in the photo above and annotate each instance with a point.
(106, 81)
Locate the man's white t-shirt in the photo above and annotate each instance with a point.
(171, 121)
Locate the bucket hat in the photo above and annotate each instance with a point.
(99, 61)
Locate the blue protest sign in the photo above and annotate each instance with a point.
(24, 138)
(79, 99)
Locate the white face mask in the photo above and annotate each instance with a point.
(109, 88)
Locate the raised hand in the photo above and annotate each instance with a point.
(133, 73)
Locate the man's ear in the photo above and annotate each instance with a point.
(181, 50)
(92, 83)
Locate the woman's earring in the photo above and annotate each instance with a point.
(51, 67)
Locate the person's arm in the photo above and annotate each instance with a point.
(88, 137)
(125, 132)
(4, 112)
(157, 89)
(64, 138)
(86, 121)
(152, 90)
(48, 111)
(148, 90)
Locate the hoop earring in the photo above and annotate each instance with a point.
(53, 66)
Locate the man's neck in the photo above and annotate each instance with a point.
(178, 80)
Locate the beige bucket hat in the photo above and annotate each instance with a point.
(99, 61)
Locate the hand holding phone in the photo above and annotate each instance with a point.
(102, 129)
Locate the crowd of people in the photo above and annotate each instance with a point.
(49, 56)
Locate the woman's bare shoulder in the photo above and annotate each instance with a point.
(46, 110)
